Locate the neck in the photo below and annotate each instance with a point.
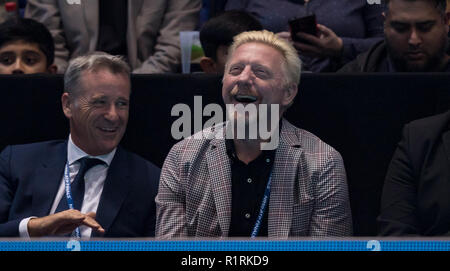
(247, 150)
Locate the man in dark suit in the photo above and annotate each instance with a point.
(415, 199)
(86, 185)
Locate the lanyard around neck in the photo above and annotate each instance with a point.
(69, 195)
(262, 210)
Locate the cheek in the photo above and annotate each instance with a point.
(397, 40)
(41, 68)
(124, 117)
(226, 87)
(5, 69)
(87, 117)
(431, 40)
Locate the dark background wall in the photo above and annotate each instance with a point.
(359, 115)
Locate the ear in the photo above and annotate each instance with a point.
(290, 93)
(208, 65)
(52, 69)
(66, 105)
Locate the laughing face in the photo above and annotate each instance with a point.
(255, 75)
(98, 113)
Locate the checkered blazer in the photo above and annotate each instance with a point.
(309, 195)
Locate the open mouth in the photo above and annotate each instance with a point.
(245, 98)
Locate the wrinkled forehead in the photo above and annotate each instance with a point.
(256, 52)
(20, 45)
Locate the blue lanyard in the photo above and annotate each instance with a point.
(69, 196)
(262, 210)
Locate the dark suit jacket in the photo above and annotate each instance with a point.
(31, 174)
(416, 193)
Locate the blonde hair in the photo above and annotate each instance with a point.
(291, 63)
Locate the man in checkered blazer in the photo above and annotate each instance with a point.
(216, 187)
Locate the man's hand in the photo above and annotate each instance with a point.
(327, 44)
(62, 223)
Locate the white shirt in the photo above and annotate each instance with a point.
(94, 181)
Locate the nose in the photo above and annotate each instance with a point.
(246, 76)
(111, 113)
(17, 67)
(414, 37)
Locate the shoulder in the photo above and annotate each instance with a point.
(36, 150)
(366, 61)
(307, 141)
(200, 141)
(428, 128)
(316, 154)
(136, 163)
(428, 124)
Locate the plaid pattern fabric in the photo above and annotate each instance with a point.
(309, 194)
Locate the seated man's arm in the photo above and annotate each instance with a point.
(171, 198)
(332, 214)
(398, 201)
(180, 15)
(7, 192)
(56, 224)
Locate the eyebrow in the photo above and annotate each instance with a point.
(409, 23)
(102, 96)
(32, 52)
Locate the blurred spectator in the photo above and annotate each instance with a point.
(26, 46)
(217, 34)
(414, 200)
(210, 9)
(146, 32)
(415, 40)
(345, 29)
(22, 5)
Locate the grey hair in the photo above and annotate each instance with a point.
(92, 63)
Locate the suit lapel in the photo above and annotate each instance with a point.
(91, 19)
(287, 159)
(48, 179)
(219, 170)
(115, 190)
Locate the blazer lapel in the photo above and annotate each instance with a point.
(91, 19)
(115, 190)
(48, 178)
(287, 159)
(219, 170)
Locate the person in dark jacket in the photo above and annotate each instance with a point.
(415, 40)
(415, 194)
